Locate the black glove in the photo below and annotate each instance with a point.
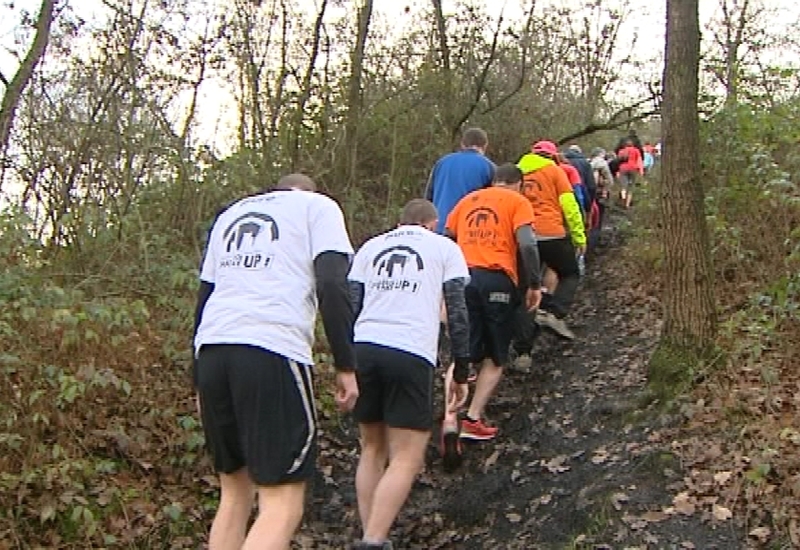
(461, 370)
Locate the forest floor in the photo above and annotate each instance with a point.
(585, 458)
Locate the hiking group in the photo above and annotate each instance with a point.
(467, 280)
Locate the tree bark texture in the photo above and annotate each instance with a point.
(354, 92)
(689, 308)
(19, 82)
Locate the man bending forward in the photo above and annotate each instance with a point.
(397, 283)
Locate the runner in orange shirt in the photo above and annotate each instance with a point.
(493, 227)
(559, 229)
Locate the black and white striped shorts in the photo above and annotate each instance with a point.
(258, 412)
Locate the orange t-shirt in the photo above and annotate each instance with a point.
(484, 224)
(543, 188)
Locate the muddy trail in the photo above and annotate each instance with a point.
(580, 461)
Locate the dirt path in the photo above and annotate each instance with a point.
(577, 463)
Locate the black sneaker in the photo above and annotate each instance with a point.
(451, 448)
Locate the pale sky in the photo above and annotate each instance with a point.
(216, 127)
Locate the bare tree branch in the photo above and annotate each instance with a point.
(523, 72)
(305, 88)
(19, 81)
(617, 119)
(480, 87)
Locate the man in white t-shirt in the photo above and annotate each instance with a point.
(271, 261)
(397, 283)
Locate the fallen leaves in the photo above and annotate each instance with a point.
(491, 461)
(513, 517)
(618, 499)
(654, 516)
(556, 465)
(721, 478)
(683, 504)
(761, 533)
(600, 456)
(721, 513)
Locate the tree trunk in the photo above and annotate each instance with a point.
(354, 95)
(689, 309)
(305, 89)
(19, 82)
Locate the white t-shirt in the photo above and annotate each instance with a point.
(260, 258)
(403, 272)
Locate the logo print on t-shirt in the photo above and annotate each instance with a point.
(482, 225)
(480, 216)
(396, 268)
(246, 241)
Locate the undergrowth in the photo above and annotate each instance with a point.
(747, 407)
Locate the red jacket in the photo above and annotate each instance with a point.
(633, 162)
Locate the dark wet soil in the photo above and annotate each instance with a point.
(581, 460)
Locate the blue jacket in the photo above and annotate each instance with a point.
(584, 168)
(453, 177)
(582, 197)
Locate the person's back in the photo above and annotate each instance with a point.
(402, 272)
(261, 252)
(648, 161)
(631, 139)
(576, 181)
(576, 158)
(397, 283)
(632, 159)
(614, 162)
(270, 261)
(602, 175)
(544, 183)
(556, 209)
(493, 228)
(484, 224)
(455, 175)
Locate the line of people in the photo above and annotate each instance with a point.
(468, 257)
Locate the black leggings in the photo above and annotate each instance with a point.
(559, 255)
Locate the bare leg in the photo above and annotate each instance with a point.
(371, 466)
(450, 416)
(280, 509)
(488, 379)
(550, 280)
(407, 456)
(229, 528)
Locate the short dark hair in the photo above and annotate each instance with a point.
(508, 174)
(296, 181)
(418, 212)
(474, 137)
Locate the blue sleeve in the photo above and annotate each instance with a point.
(428, 194)
(580, 196)
(490, 168)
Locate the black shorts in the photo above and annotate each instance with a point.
(395, 387)
(258, 412)
(559, 255)
(492, 299)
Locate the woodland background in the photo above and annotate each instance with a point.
(107, 191)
